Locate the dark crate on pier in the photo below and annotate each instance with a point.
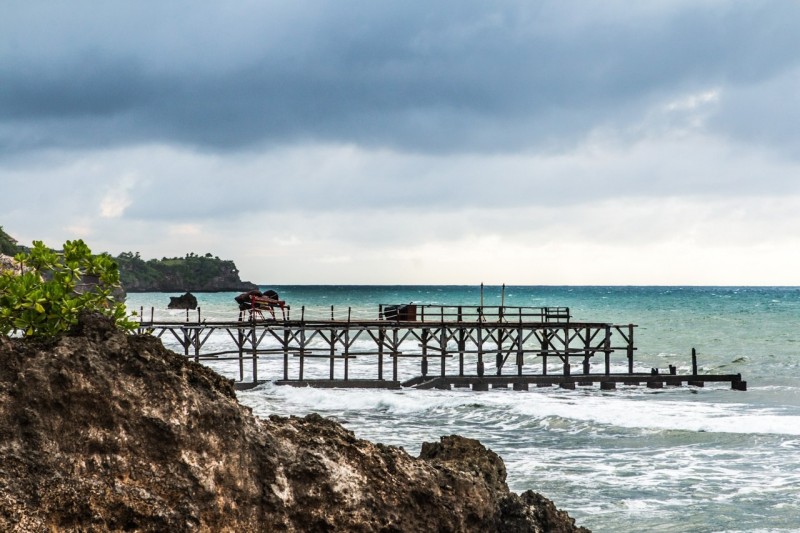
(403, 313)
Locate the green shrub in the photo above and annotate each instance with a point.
(47, 297)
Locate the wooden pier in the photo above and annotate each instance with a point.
(426, 347)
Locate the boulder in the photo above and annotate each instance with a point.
(186, 301)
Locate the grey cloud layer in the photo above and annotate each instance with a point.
(452, 77)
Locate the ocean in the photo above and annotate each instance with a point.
(634, 459)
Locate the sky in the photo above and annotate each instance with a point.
(438, 142)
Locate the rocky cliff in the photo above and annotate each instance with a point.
(180, 274)
(105, 431)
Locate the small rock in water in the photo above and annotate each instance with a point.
(187, 301)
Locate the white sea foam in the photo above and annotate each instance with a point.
(616, 409)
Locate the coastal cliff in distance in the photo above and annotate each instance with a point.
(193, 273)
(102, 431)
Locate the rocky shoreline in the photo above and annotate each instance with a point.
(105, 431)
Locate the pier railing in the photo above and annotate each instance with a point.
(422, 313)
(472, 313)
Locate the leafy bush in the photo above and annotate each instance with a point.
(47, 297)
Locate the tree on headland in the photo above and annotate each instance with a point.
(8, 245)
(53, 288)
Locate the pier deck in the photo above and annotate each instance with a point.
(427, 347)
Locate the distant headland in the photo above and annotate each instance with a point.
(195, 273)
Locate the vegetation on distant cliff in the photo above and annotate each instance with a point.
(8, 245)
(190, 273)
(46, 297)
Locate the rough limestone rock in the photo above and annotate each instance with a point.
(185, 301)
(8, 263)
(105, 431)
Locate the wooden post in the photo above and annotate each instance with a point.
(443, 348)
(395, 353)
(332, 352)
(194, 338)
(381, 341)
(630, 349)
(186, 340)
(520, 353)
(694, 362)
(425, 333)
(545, 343)
(462, 343)
(196, 343)
(587, 350)
(347, 348)
(240, 344)
(499, 358)
(285, 348)
(607, 350)
(566, 352)
(255, 351)
(480, 346)
(301, 356)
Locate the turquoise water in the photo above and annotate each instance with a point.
(634, 459)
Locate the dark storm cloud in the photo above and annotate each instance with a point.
(452, 76)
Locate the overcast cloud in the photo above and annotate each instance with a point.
(416, 142)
